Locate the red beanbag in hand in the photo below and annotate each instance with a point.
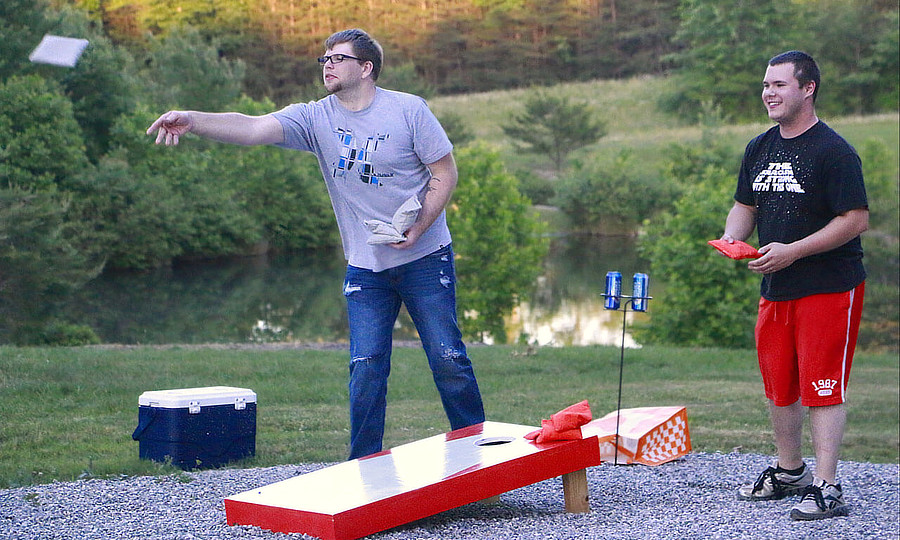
(737, 250)
(564, 425)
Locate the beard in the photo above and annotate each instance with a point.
(333, 86)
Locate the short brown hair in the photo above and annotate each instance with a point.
(364, 47)
(805, 68)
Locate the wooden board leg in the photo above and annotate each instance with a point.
(491, 500)
(575, 490)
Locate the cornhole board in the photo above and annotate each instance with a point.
(371, 494)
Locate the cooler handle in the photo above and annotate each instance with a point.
(144, 423)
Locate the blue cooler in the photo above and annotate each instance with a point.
(197, 427)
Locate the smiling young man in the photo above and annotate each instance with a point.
(385, 160)
(801, 187)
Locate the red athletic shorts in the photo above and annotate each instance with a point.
(805, 346)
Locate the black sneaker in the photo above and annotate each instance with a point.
(774, 483)
(820, 500)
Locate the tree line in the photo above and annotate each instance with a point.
(83, 190)
(454, 45)
(462, 46)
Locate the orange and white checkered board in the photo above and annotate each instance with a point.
(647, 435)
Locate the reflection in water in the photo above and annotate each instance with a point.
(298, 298)
(261, 299)
(566, 307)
(576, 322)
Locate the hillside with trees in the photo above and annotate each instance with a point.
(453, 45)
(83, 190)
(462, 46)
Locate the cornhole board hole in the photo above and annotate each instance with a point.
(371, 494)
(196, 427)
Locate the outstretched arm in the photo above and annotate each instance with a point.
(437, 194)
(234, 128)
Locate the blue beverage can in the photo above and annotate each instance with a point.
(613, 290)
(640, 292)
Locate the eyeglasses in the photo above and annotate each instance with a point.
(336, 59)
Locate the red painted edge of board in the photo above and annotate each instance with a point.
(554, 459)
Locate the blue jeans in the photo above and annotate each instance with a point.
(428, 288)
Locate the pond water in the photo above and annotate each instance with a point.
(298, 298)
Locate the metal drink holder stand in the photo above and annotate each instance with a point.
(626, 300)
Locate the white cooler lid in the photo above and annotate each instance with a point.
(206, 396)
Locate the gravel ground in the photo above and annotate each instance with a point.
(693, 497)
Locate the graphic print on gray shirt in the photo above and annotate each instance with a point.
(372, 161)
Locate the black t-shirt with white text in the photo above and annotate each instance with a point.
(798, 186)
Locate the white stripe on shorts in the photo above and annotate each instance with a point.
(846, 346)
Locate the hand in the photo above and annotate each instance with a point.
(411, 236)
(170, 127)
(775, 256)
(725, 238)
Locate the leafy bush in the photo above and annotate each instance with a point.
(710, 300)
(880, 326)
(497, 239)
(616, 196)
(41, 145)
(538, 189)
(206, 199)
(64, 334)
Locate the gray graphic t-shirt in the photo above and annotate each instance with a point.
(372, 161)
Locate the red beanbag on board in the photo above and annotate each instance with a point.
(737, 250)
(564, 425)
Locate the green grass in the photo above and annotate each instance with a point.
(634, 122)
(69, 412)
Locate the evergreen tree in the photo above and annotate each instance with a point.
(22, 25)
(41, 144)
(554, 126)
(184, 71)
(856, 47)
(724, 50)
(101, 87)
